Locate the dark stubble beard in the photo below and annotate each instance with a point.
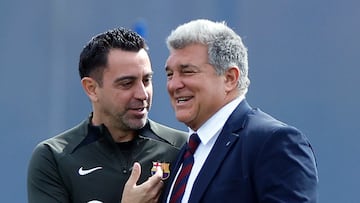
(125, 122)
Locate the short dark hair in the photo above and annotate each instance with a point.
(93, 58)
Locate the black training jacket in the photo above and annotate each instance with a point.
(84, 164)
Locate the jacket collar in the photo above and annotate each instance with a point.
(229, 135)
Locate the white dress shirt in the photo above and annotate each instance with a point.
(208, 134)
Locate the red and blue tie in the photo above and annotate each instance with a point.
(188, 161)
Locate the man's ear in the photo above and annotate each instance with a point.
(232, 75)
(90, 85)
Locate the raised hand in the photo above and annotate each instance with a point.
(147, 192)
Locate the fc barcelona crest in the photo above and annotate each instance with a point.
(165, 168)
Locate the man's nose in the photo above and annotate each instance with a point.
(141, 92)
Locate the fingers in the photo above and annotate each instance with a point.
(159, 172)
(129, 194)
(156, 184)
(135, 174)
(157, 177)
(147, 192)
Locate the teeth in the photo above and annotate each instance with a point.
(182, 99)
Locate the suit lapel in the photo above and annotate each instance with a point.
(223, 145)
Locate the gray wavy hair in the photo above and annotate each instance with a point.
(225, 47)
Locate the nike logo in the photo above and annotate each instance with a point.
(83, 172)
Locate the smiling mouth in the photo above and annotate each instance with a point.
(182, 99)
(139, 109)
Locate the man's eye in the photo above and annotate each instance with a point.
(147, 80)
(169, 74)
(126, 84)
(188, 71)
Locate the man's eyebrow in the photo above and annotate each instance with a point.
(167, 68)
(181, 66)
(150, 74)
(126, 77)
(131, 77)
(184, 65)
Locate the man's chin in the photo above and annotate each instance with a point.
(182, 118)
(137, 124)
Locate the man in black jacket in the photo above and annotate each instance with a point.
(93, 161)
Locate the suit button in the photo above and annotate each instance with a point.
(125, 171)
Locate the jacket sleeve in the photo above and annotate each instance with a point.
(44, 183)
(285, 169)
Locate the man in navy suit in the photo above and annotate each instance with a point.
(245, 155)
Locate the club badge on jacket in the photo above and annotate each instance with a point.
(164, 166)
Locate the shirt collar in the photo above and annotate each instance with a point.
(215, 123)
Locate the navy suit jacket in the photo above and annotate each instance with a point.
(256, 158)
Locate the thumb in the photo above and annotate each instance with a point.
(135, 174)
(159, 172)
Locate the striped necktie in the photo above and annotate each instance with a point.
(188, 161)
